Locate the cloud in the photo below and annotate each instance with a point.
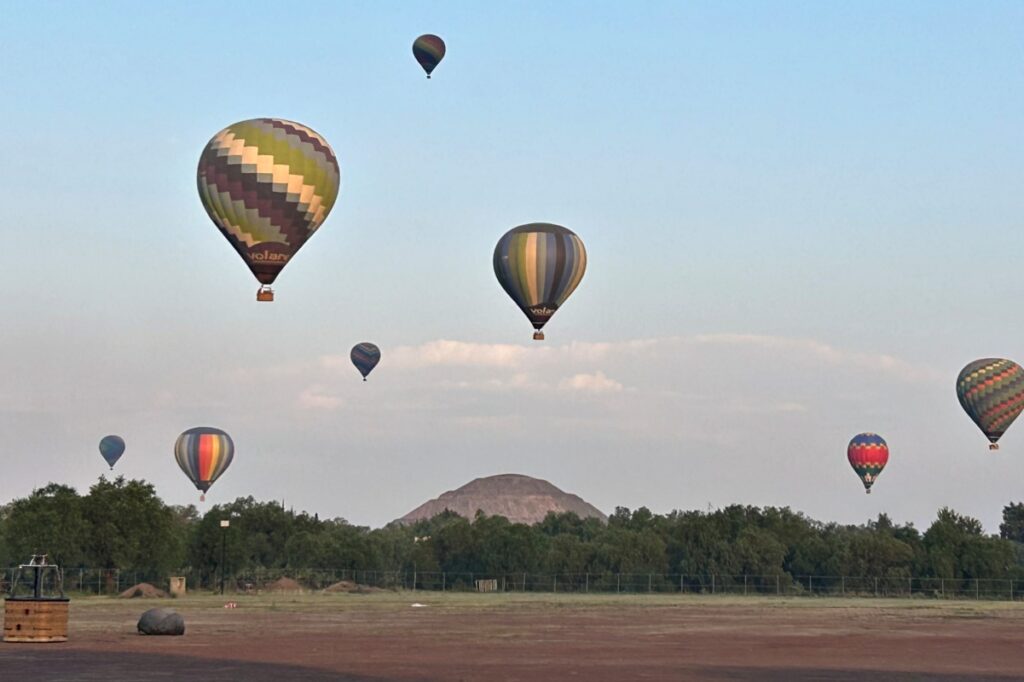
(596, 382)
(316, 398)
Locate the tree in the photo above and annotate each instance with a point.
(1012, 527)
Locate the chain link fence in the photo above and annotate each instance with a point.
(88, 581)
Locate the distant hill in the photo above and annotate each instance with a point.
(520, 499)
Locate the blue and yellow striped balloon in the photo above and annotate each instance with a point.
(204, 453)
(539, 265)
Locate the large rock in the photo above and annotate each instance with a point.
(161, 622)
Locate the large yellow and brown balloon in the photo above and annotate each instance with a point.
(268, 185)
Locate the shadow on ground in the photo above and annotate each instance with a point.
(46, 663)
(816, 675)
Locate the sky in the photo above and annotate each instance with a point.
(800, 218)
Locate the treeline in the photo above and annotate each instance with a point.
(124, 525)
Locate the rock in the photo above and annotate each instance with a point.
(161, 622)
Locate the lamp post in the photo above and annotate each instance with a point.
(224, 524)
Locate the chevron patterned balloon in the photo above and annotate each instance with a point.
(268, 185)
(991, 391)
(428, 50)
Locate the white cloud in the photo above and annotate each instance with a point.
(596, 382)
(317, 398)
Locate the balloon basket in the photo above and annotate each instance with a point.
(202, 498)
(37, 617)
(867, 491)
(538, 336)
(265, 294)
(993, 446)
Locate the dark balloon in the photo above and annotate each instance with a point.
(204, 453)
(991, 391)
(868, 455)
(111, 448)
(539, 265)
(365, 357)
(429, 51)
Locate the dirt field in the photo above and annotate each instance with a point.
(381, 637)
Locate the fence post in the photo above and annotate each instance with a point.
(444, 579)
(618, 580)
(777, 584)
(744, 584)
(554, 583)
(910, 587)
(810, 585)
(524, 581)
(681, 584)
(712, 583)
(1011, 589)
(977, 589)
(650, 579)
(586, 583)
(842, 587)
(876, 587)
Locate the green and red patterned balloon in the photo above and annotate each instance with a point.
(991, 391)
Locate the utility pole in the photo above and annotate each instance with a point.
(224, 525)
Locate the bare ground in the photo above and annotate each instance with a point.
(379, 637)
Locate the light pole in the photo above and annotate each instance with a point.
(224, 525)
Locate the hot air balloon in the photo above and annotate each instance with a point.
(268, 184)
(111, 448)
(429, 51)
(365, 357)
(204, 453)
(991, 391)
(868, 455)
(539, 265)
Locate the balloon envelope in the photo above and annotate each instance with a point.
(111, 449)
(365, 357)
(991, 391)
(204, 453)
(268, 184)
(868, 455)
(428, 50)
(539, 265)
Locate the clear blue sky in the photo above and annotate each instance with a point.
(842, 174)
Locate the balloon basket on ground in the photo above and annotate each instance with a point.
(40, 615)
(265, 294)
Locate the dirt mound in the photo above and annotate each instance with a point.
(520, 499)
(284, 585)
(342, 586)
(349, 587)
(143, 590)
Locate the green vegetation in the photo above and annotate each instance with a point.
(124, 525)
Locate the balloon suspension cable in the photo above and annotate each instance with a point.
(993, 446)
(265, 293)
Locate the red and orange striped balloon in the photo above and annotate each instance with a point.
(204, 453)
